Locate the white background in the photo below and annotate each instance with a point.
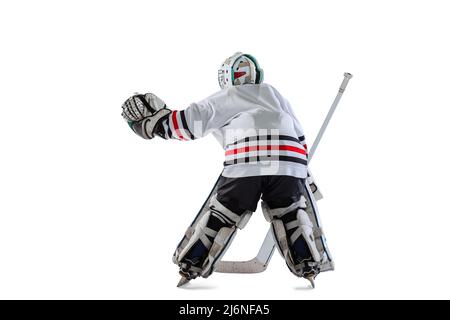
(89, 210)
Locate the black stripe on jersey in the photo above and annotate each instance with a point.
(169, 132)
(185, 126)
(266, 158)
(301, 139)
(268, 138)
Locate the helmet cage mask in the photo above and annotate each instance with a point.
(239, 69)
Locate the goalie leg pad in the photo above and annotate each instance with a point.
(207, 239)
(294, 234)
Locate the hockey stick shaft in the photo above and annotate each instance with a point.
(260, 262)
(270, 241)
(347, 77)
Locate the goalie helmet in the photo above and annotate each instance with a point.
(239, 69)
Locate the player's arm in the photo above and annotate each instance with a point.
(149, 116)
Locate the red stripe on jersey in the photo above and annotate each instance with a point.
(294, 149)
(268, 147)
(175, 125)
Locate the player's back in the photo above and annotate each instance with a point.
(258, 127)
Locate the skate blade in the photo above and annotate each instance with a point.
(182, 282)
(311, 281)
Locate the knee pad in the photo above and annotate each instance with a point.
(207, 239)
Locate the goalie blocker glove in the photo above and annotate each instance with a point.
(144, 113)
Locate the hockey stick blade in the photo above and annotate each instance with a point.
(256, 265)
(251, 266)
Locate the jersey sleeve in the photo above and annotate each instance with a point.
(175, 126)
(196, 121)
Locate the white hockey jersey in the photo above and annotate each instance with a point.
(254, 124)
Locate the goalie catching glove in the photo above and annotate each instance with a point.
(144, 113)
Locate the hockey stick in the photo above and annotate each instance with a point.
(262, 259)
